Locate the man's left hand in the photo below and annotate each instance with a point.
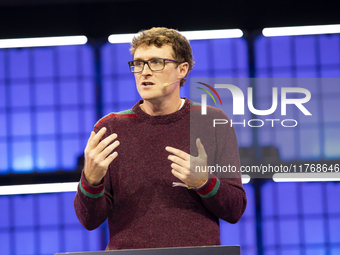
(184, 165)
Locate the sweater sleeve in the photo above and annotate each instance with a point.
(226, 199)
(223, 193)
(93, 203)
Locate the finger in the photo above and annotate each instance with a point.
(105, 142)
(90, 138)
(92, 135)
(200, 147)
(178, 153)
(178, 174)
(109, 149)
(178, 160)
(110, 158)
(185, 172)
(96, 138)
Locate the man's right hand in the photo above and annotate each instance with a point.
(98, 157)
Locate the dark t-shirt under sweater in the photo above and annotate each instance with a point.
(136, 195)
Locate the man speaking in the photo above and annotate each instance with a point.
(140, 163)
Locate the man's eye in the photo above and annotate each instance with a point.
(155, 61)
(138, 63)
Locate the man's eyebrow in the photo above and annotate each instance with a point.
(144, 60)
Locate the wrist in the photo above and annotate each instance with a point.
(210, 188)
(202, 184)
(91, 181)
(89, 190)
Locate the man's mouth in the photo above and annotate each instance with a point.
(146, 83)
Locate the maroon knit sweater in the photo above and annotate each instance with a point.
(136, 195)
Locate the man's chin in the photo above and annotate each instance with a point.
(148, 96)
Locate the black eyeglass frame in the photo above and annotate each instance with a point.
(147, 62)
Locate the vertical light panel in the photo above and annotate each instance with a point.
(244, 232)
(48, 106)
(119, 88)
(221, 58)
(302, 57)
(298, 217)
(47, 225)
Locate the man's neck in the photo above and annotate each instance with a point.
(155, 108)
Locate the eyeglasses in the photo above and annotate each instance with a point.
(154, 64)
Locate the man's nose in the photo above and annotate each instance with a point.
(146, 69)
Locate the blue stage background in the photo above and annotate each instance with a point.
(48, 107)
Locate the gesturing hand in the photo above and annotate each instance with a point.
(184, 165)
(98, 157)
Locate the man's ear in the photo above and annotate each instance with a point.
(183, 69)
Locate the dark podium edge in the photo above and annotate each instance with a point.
(196, 250)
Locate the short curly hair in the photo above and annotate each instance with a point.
(158, 36)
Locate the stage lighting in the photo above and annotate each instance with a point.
(121, 38)
(190, 35)
(306, 177)
(43, 41)
(301, 30)
(245, 178)
(212, 34)
(38, 188)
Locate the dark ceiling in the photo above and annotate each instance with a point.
(100, 18)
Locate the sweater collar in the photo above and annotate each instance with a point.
(162, 119)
